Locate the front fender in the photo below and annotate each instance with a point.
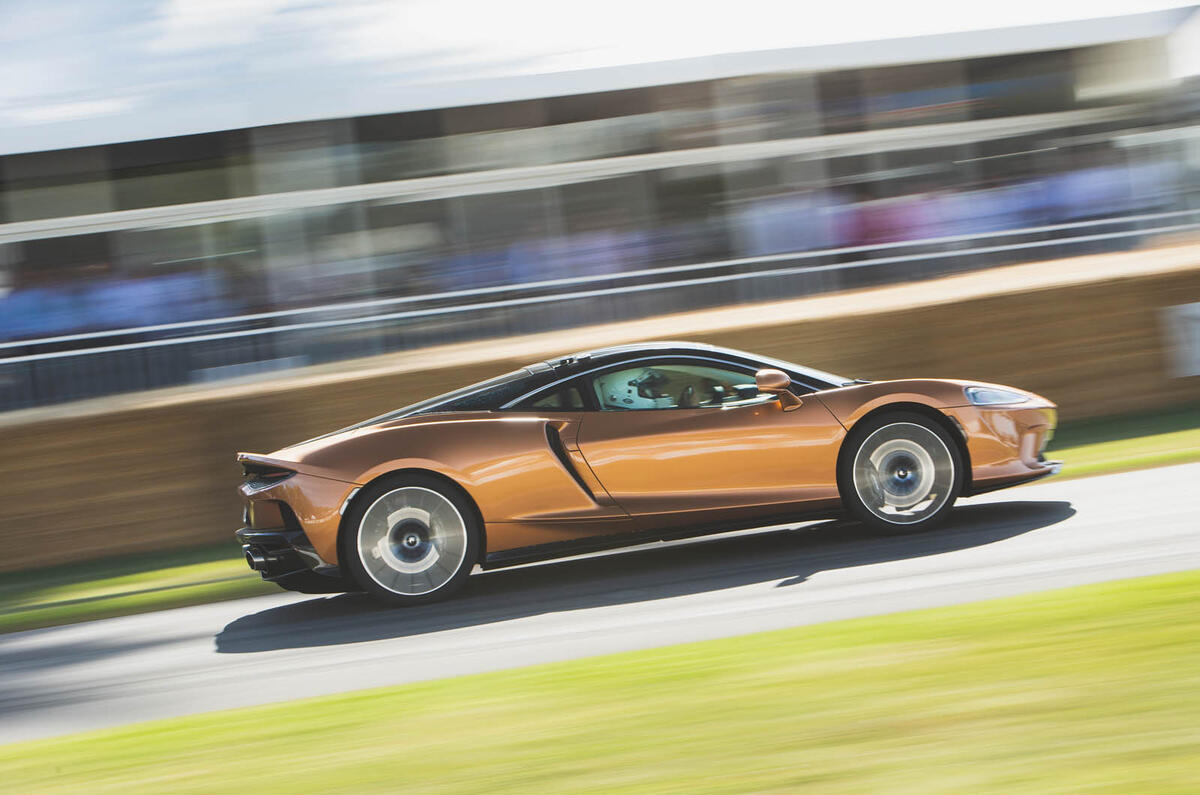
(851, 403)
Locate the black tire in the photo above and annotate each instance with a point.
(410, 539)
(898, 458)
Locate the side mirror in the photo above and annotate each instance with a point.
(777, 382)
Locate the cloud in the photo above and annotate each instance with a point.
(71, 111)
(190, 25)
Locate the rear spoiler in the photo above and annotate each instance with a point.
(256, 458)
(258, 461)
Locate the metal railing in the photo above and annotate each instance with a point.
(91, 364)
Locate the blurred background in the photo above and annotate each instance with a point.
(229, 225)
(233, 225)
(192, 192)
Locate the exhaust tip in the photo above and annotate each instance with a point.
(256, 559)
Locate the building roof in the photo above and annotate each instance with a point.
(88, 72)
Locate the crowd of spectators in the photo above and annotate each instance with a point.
(97, 296)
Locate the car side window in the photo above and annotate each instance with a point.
(566, 398)
(674, 386)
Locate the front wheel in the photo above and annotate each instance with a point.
(901, 473)
(410, 539)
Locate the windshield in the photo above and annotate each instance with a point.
(809, 373)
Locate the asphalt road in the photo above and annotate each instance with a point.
(230, 654)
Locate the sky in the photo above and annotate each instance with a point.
(83, 71)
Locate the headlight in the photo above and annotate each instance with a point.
(992, 396)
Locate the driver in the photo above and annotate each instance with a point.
(643, 391)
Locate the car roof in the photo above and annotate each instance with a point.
(496, 392)
(614, 353)
(564, 366)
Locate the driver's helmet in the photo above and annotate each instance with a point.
(640, 392)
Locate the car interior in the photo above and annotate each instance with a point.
(667, 386)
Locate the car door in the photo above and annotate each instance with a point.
(687, 435)
(560, 412)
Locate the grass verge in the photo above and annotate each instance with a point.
(124, 586)
(1119, 444)
(1082, 689)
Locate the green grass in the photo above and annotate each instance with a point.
(122, 586)
(1090, 689)
(1118, 444)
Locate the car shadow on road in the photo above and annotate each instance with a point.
(789, 556)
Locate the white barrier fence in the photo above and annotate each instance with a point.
(74, 366)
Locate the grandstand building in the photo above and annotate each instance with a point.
(422, 192)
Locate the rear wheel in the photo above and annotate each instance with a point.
(410, 539)
(901, 473)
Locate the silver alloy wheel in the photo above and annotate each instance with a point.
(903, 473)
(412, 540)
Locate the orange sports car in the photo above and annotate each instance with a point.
(620, 446)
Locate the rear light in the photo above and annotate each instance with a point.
(260, 476)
